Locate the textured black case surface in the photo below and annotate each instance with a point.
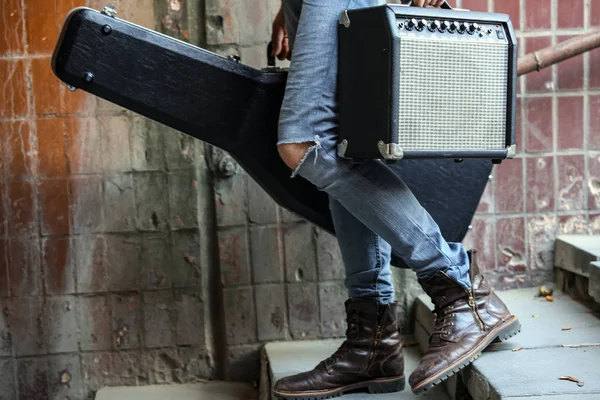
(235, 108)
(370, 50)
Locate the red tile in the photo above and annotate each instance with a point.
(595, 224)
(594, 180)
(541, 81)
(86, 204)
(46, 87)
(483, 242)
(594, 138)
(42, 30)
(22, 215)
(509, 186)
(52, 147)
(59, 272)
(4, 282)
(475, 5)
(89, 254)
(84, 147)
(570, 14)
(537, 14)
(539, 124)
(513, 281)
(540, 184)
(569, 72)
(486, 204)
(594, 68)
(510, 7)
(24, 267)
(570, 123)
(571, 181)
(16, 154)
(595, 12)
(541, 235)
(519, 126)
(13, 92)
(11, 37)
(54, 203)
(572, 225)
(511, 244)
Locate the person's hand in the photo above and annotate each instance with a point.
(425, 3)
(279, 38)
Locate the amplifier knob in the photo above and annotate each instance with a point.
(422, 24)
(454, 26)
(445, 25)
(474, 27)
(411, 24)
(464, 27)
(435, 25)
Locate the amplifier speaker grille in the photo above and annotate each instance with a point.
(452, 94)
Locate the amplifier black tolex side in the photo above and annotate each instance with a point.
(426, 83)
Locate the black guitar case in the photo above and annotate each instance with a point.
(234, 107)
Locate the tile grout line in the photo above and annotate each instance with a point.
(586, 117)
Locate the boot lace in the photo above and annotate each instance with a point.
(444, 318)
(351, 330)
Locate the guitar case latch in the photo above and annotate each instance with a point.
(109, 10)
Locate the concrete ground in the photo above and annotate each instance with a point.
(197, 391)
(288, 358)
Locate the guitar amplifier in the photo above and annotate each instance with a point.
(426, 83)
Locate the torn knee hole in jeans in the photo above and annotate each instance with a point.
(314, 148)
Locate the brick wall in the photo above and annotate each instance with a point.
(552, 187)
(103, 280)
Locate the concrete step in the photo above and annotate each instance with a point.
(573, 258)
(196, 391)
(558, 338)
(574, 253)
(594, 284)
(288, 358)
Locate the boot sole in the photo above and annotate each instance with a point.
(500, 334)
(384, 385)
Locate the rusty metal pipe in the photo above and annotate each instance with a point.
(551, 55)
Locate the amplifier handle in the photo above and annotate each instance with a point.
(444, 4)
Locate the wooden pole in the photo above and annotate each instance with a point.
(551, 55)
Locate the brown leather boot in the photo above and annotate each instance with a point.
(371, 358)
(466, 323)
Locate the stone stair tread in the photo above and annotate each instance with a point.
(575, 252)
(594, 282)
(536, 372)
(197, 391)
(288, 358)
(546, 351)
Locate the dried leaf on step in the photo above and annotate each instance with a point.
(549, 298)
(546, 290)
(519, 349)
(567, 329)
(535, 316)
(572, 379)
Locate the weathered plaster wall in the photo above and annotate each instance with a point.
(103, 276)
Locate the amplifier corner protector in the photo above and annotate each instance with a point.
(512, 151)
(342, 147)
(390, 151)
(345, 19)
(109, 10)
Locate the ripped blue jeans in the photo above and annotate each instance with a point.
(373, 210)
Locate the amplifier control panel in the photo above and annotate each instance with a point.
(435, 27)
